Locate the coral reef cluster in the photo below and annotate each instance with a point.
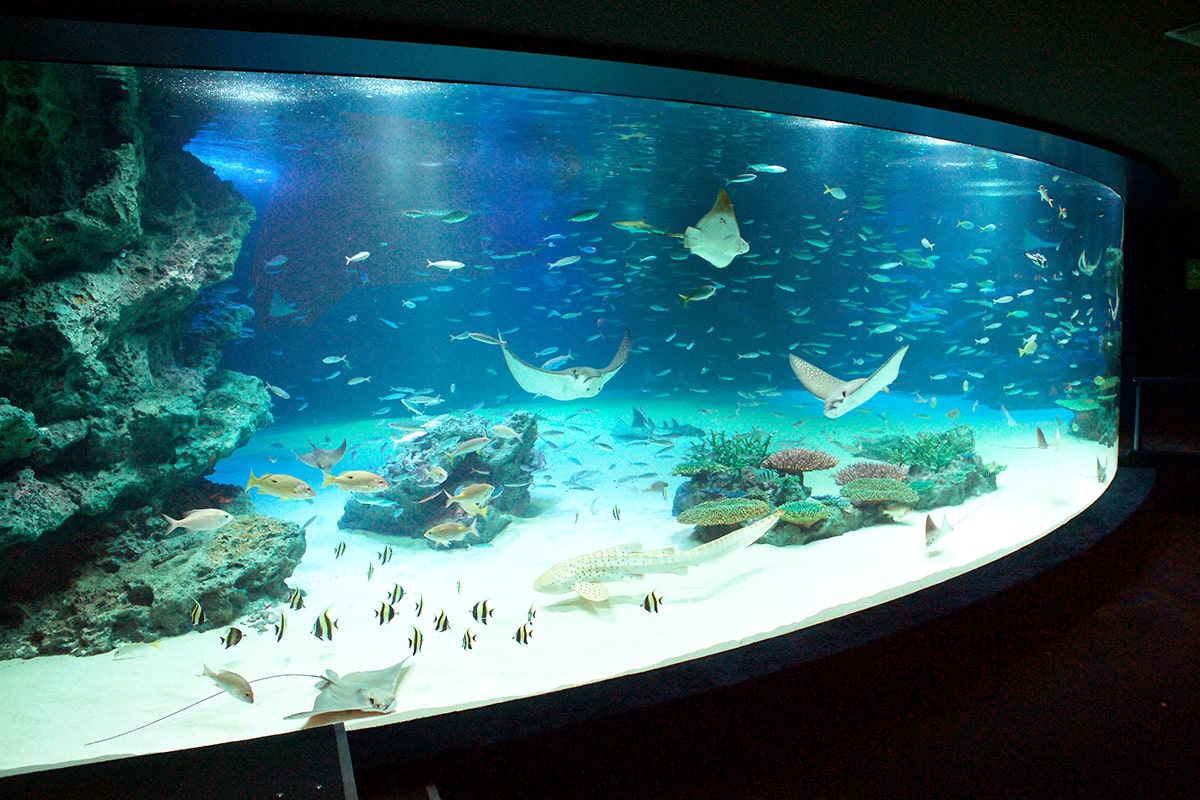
(110, 396)
(725, 490)
(1095, 410)
(734, 479)
(417, 499)
(720, 466)
(943, 467)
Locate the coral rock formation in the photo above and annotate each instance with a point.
(111, 396)
(505, 463)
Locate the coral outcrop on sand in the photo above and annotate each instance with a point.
(919, 472)
(111, 399)
(137, 593)
(944, 469)
(417, 499)
(738, 475)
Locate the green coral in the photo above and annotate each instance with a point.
(721, 453)
(803, 512)
(727, 511)
(864, 491)
(927, 451)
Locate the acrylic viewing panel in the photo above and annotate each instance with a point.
(455, 393)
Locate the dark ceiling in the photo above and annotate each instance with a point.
(1103, 72)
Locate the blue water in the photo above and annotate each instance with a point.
(948, 248)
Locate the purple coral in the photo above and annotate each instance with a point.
(799, 460)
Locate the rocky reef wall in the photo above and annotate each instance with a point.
(110, 396)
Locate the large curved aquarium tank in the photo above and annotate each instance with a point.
(371, 399)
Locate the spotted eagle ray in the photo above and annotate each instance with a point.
(570, 383)
(716, 237)
(842, 396)
(322, 458)
(586, 575)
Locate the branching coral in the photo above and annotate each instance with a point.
(925, 452)
(721, 453)
(869, 469)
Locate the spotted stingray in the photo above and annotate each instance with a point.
(842, 396)
(570, 383)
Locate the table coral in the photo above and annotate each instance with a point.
(729, 511)
(870, 491)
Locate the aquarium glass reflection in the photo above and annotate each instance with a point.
(332, 398)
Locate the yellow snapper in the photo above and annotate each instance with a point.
(282, 486)
(1029, 347)
(835, 192)
(200, 519)
(432, 474)
(447, 532)
(476, 493)
(356, 480)
(469, 446)
(502, 431)
(700, 293)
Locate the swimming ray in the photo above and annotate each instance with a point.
(566, 384)
(321, 458)
(371, 692)
(716, 237)
(842, 396)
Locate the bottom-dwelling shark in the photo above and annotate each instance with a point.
(587, 574)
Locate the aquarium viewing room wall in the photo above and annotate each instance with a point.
(448, 394)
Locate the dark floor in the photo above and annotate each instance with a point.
(1088, 688)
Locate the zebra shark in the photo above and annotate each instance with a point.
(586, 574)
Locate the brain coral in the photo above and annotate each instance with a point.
(727, 511)
(869, 469)
(798, 460)
(804, 513)
(866, 491)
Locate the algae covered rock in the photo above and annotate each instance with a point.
(805, 521)
(19, 433)
(926, 452)
(144, 585)
(944, 468)
(722, 453)
(427, 467)
(112, 400)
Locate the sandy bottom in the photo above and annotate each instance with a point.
(54, 705)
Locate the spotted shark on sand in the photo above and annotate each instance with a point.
(839, 396)
(571, 383)
(586, 574)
